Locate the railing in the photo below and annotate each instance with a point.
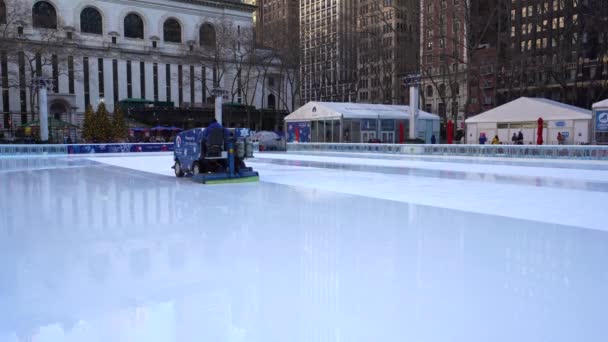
(507, 151)
(64, 149)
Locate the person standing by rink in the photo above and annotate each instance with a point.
(482, 139)
(520, 138)
(433, 139)
(514, 138)
(496, 141)
(560, 138)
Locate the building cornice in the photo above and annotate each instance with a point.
(224, 4)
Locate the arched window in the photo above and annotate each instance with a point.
(207, 35)
(271, 101)
(429, 91)
(2, 12)
(172, 31)
(44, 15)
(91, 21)
(134, 26)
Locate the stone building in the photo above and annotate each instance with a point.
(161, 50)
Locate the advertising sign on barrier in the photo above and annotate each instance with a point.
(601, 121)
(298, 132)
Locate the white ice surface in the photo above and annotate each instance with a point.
(579, 208)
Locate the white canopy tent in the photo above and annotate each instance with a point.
(523, 114)
(362, 121)
(599, 125)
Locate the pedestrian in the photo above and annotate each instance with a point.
(482, 139)
(514, 138)
(69, 140)
(496, 141)
(433, 139)
(560, 138)
(520, 138)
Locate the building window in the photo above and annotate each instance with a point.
(2, 12)
(113, 40)
(55, 70)
(142, 79)
(91, 21)
(168, 81)
(154, 44)
(100, 75)
(115, 81)
(172, 31)
(22, 88)
(204, 84)
(71, 74)
(155, 80)
(129, 80)
(271, 101)
(44, 15)
(192, 84)
(429, 91)
(207, 35)
(134, 26)
(180, 85)
(85, 71)
(5, 97)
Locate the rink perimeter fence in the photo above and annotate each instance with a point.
(506, 151)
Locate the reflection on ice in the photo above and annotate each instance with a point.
(108, 254)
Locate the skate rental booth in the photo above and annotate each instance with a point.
(572, 122)
(600, 123)
(340, 122)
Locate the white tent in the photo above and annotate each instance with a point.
(356, 122)
(344, 110)
(601, 104)
(521, 115)
(599, 126)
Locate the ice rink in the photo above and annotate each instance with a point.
(325, 248)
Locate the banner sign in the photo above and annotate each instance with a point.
(119, 148)
(298, 132)
(601, 121)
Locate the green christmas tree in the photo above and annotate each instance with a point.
(120, 131)
(88, 132)
(102, 125)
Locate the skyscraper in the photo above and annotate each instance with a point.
(278, 23)
(328, 56)
(388, 48)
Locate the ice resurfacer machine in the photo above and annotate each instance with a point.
(214, 157)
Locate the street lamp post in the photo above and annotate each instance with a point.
(43, 85)
(413, 82)
(219, 95)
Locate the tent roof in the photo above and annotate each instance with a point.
(527, 109)
(601, 104)
(346, 110)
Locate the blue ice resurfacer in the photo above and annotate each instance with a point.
(219, 159)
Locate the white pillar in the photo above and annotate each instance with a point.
(414, 100)
(44, 114)
(218, 108)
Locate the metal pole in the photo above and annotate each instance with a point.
(413, 111)
(218, 109)
(44, 115)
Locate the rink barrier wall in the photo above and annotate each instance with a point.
(63, 149)
(505, 151)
